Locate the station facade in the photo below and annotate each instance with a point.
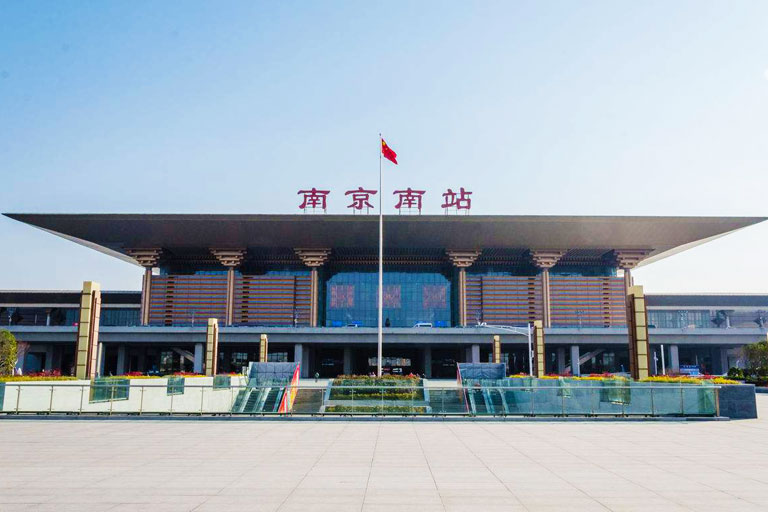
(309, 282)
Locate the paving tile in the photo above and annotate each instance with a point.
(375, 466)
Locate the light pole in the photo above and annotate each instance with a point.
(516, 330)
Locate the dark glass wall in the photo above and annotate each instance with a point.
(411, 296)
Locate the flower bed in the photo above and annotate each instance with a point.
(367, 409)
(388, 387)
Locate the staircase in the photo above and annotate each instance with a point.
(308, 400)
(258, 400)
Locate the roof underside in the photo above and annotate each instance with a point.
(114, 233)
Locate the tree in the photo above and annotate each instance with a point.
(757, 358)
(8, 353)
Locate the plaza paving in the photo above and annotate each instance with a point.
(343, 466)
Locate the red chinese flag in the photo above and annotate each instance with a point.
(387, 152)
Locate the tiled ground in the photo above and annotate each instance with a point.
(335, 466)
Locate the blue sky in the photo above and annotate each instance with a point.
(605, 108)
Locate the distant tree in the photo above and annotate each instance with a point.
(756, 355)
(8, 353)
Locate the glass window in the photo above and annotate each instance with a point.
(410, 297)
(679, 319)
(119, 317)
(277, 357)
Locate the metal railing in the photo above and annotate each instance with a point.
(126, 398)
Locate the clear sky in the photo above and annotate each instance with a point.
(604, 108)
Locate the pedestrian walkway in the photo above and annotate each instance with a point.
(172, 465)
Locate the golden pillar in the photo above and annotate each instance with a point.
(539, 356)
(496, 349)
(544, 260)
(231, 259)
(87, 356)
(462, 260)
(263, 348)
(212, 347)
(313, 258)
(639, 353)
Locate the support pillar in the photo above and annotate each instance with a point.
(347, 360)
(545, 260)
(575, 364)
(637, 327)
(427, 361)
(462, 260)
(496, 349)
(313, 258)
(231, 259)
(87, 356)
(674, 360)
(539, 355)
(199, 358)
(263, 348)
(211, 348)
(147, 258)
(120, 360)
(561, 363)
(298, 357)
(475, 353)
(723, 360)
(305, 361)
(626, 260)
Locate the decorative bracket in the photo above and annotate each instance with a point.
(313, 257)
(147, 258)
(546, 259)
(627, 259)
(230, 258)
(462, 259)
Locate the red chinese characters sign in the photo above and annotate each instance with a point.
(408, 199)
(360, 199)
(314, 199)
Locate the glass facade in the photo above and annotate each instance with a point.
(679, 319)
(410, 298)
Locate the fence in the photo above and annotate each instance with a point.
(141, 397)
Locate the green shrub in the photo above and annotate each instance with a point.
(8, 353)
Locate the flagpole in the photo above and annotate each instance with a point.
(381, 268)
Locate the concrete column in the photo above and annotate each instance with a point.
(146, 285)
(545, 298)
(313, 297)
(427, 362)
(313, 258)
(462, 297)
(561, 362)
(100, 359)
(575, 365)
(305, 358)
(199, 358)
(298, 353)
(475, 353)
(48, 358)
(723, 359)
(231, 258)
(120, 360)
(674, 359)
(462, 260)
(347, 360)
(545, 260)
(230, 309)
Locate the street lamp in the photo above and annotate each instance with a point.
(516, 330)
